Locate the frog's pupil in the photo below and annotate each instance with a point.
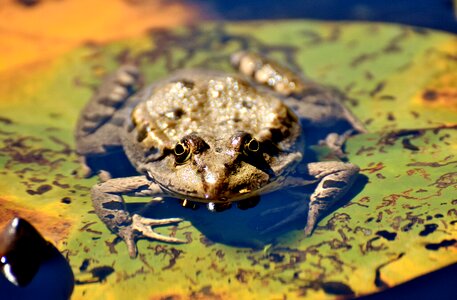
(180, 149)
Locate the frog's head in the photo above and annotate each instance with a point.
(229, 167)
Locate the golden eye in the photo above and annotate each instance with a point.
(251, 146)
(182, 152)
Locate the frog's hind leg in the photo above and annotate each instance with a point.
(97, 138)
(110, 208)
(335, 179)
(320, 108)
(268, 73)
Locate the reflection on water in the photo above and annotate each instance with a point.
(276, 214)
(256, 227)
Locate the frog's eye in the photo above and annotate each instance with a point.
(190, 144)
(182, 152)
(243, 142)
(251, 146)
(196, 143)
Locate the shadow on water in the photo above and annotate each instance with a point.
(276, 214)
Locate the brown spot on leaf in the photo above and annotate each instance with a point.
(40, 190)
(362, 58)
(379, 87)
(28, 3)
(391, 200)
(370, 246)
(61, 185)
(390, 117)
(205, 292)
(34, 179)
(5, 121)
(446, 180)
(372, 168)
(421, 172)
(391, 137)
(171, 252)
(431, 164)
(220, 254)
(415, 114)
(244, 276)
(205, 241)
(430, 95)
(387, 97)
(111, 246)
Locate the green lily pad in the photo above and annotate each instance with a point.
(400, 222)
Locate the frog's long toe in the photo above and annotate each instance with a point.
(143, 225)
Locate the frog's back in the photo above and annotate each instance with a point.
(212, 104)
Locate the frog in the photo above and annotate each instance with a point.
(212, 137)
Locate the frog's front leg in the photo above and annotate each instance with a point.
(110, 208)
(335, 179)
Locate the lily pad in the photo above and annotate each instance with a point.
(400, 222)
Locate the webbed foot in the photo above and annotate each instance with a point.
(110, 208)
(335, 180)
(141, 228)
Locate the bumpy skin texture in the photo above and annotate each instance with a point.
(212, 137)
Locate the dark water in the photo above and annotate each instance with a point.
(436, 14)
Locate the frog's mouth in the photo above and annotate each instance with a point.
(221, 196)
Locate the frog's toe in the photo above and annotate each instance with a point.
(128, 236)
(84, 170)
(310, 225)
(143, 226)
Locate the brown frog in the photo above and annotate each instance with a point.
(212, 137)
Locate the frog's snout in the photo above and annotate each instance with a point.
(231, 180)
(215, 183)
